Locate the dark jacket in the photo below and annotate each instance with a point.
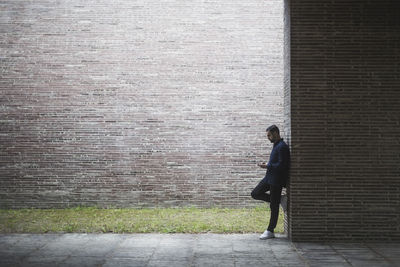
(278, 165)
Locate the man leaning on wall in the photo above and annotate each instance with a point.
(275, 178)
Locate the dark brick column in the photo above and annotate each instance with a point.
(345, 110)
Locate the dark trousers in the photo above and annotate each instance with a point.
(274, 199)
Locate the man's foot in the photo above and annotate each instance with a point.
(267, 235)
(284, 202)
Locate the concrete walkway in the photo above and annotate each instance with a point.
(174, 250)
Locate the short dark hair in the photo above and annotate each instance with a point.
(273, 129)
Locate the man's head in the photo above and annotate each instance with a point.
(273, 134)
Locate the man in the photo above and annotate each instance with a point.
(275, 178)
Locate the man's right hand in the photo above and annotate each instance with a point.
(262, 165)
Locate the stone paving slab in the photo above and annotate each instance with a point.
(174, 250)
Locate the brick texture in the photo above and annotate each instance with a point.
(345, 110)
(137, 103)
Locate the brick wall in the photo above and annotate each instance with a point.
(137, 103)
(345, 110)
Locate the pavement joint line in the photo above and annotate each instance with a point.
(152, 254)
(67, 258)
(379, 254)
(341, 255)
(306, 262)
(273, 253)
(108, 255)
(34, 250)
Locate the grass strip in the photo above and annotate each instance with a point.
(157, 220)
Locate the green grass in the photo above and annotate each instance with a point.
(159, 220)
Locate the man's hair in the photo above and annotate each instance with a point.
(273, 129)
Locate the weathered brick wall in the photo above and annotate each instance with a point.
(137, 103)
(345, 110)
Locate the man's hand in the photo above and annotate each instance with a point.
(262, 165)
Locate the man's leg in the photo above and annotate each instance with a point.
(275, 197)
(259, 192)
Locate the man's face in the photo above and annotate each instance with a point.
(272, 136)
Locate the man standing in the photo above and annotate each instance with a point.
(275, 178)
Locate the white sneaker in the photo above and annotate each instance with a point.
(284, 202)
(267, 235)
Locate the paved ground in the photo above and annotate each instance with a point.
(174, 250)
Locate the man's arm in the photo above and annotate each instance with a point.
(283, 160)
